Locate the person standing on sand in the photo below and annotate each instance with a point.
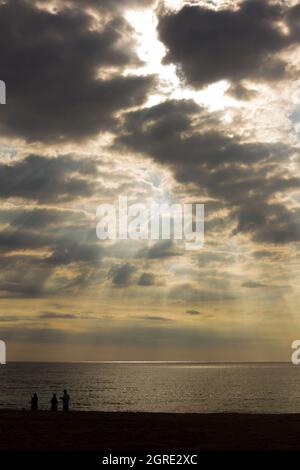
(65, 399)
(34, 402)
(54, 402)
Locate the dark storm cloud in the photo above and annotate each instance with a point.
(65, 249)
(121, 274)
(167, 132)
(244, 176)
(272, 223)
(24, 280)
(68, 253)
(29, 277)
(51, 62)
(11, 240)
(40, 218)
(34, 247)
(146, 279)
(210, 45)
(68, 233)
(47, 179)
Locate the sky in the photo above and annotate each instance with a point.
(161, 101)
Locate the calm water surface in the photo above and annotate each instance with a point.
(156, 387)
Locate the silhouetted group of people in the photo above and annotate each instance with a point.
(54, 402)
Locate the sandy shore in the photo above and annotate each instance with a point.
(146, 431)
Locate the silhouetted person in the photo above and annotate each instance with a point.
(65, 399)
(54, 402)
(34, 402)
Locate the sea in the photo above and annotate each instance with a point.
(177, 387)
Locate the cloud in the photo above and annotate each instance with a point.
(154, 318)
(146, 279)
(68, 253)
(161, 249)
(52, 65)
(244, 176)
(24, 280)
(233, 44)
(30, 276)
(33, 177)
(272, 223)
(193, 312)
(264, 254)
(273, 288)
(190, 293)
(60, 316)
(121, 274)
(46, 251)
(183, 134)
(202, 315)
(252, 284)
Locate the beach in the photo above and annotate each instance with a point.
(99, 431)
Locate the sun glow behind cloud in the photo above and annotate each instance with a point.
(152, 51)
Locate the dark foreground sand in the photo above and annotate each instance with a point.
(147, 431)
